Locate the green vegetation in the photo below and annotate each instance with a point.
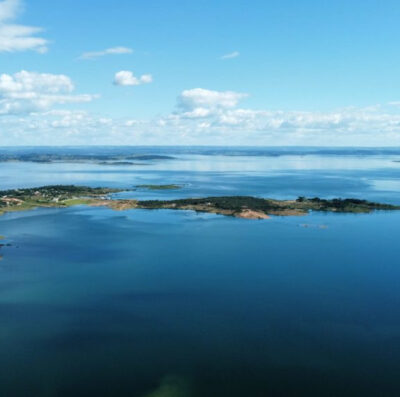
(342, 205)
(50, 196)
(78, 201)
(232, 203)
(236, 205)
(57, 191)
(159, 187)
(239, 206)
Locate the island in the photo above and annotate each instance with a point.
(114, 163)
(159, 187)
(61, 196)
(102, 159)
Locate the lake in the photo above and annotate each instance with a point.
(164, 303)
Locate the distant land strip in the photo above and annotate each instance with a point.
(101, 159)
(61, 196)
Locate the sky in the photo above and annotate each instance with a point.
(205, 72)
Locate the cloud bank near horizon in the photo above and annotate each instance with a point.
(201, 116)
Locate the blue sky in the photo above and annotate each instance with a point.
(204, 72)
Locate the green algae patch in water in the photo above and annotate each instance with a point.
(172, 386)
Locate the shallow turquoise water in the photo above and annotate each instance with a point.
(95, 302)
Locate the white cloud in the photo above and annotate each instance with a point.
(197, 113)
(146, 78)
(15, 37)
(205, 116)
(200, 97)
(225, 126)
(200, 121)
(231, 55)
(130, 123)
(8, 9)
(127, 78)
(108, 51)
(26, 92)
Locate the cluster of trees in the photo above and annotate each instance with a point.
(56, 191)
(339, 204)
(234, 203)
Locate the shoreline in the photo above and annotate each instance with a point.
(245, 207)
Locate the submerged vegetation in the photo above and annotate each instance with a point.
(238, 206)
(172, 386)
(3, 243)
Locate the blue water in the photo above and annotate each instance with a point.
(95, 302)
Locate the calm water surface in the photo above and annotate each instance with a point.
(95, 302)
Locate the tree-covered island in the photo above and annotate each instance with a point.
(159, 187)
(59, 196)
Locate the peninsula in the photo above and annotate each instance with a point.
(59, 196)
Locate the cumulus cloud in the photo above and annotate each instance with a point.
(15, 37)
(197, 113)
(208, 116)
(197, 119)
(127, 78)
(108, 51)
(26, 92)
(203, 98)
(231, 55)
